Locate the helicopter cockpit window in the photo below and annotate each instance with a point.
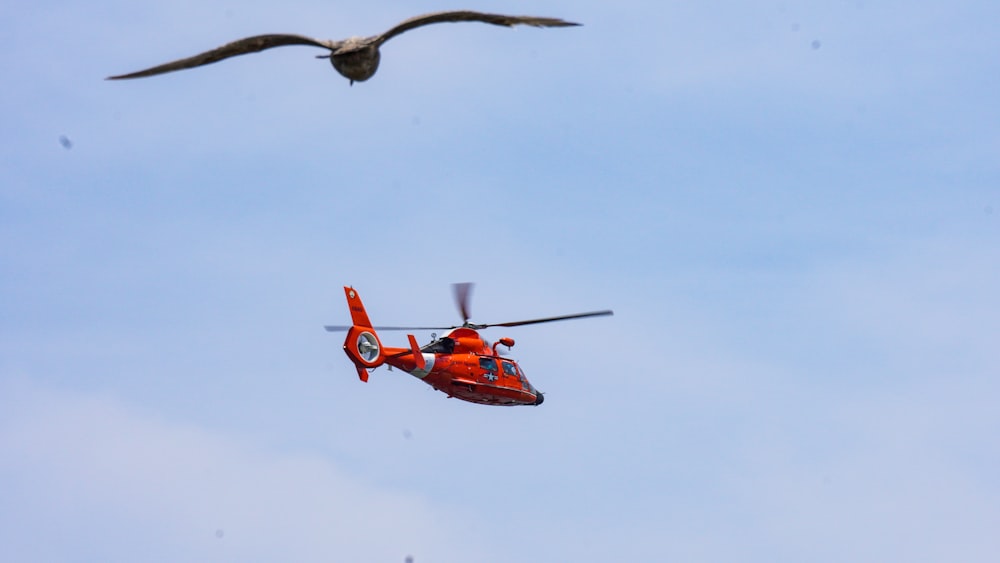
(488, 364)
(509, 369)
(520, 375)
(442, 346)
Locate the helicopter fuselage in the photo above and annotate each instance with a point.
(464, 366)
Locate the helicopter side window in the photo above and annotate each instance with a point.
(445, 345)
(488, 364)
(509, 369)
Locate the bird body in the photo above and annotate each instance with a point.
(356, 58)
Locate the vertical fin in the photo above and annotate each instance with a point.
(361, 345)
(363, 374)
(359, 317)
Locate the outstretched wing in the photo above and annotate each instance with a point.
(467, 16)
(240, 47)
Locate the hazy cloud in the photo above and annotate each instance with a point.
(89, 478)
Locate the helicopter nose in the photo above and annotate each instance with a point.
(539, 398)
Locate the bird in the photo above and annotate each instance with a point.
(356, 58)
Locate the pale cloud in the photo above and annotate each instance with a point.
(89, 478)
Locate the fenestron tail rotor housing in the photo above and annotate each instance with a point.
(367, 347)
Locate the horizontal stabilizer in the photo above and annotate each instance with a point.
(418, 358)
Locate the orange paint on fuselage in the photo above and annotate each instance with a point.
(460, 363)
(471, 372)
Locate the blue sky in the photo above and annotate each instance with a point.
(793, 210)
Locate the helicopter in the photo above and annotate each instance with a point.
(460, 363)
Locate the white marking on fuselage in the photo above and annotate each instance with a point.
(421, 373)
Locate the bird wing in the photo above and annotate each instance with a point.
(240, 47)
(467, 16)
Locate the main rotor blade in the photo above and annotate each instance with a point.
(462, 292)
(343, 328)
(551, 319)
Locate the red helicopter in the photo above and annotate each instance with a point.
(460, 363)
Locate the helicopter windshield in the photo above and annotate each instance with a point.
(444, 345)
(514, 370)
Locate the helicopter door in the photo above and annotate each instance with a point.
(489, 365)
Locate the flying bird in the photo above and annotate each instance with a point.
(356, 58)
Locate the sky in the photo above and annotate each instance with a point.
(792, 208)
